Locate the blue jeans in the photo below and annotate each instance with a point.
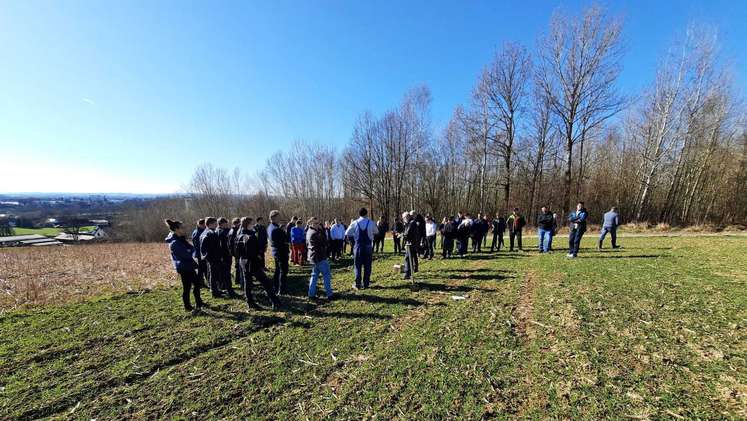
(613, 234)
(362, 257)
(574, 241)
(323, 269)
(545, 240)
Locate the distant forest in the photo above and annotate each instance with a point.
(546, 125)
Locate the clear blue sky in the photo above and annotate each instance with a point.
(131, 96)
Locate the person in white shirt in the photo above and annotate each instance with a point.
(430, 237)
(337, 236)
(362, 231)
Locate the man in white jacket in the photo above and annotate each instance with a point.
(337, 236)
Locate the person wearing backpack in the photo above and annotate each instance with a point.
(249, 254)
(362, 232)
(515, 224)
(236, 226)
(182, 255)
(318, 250)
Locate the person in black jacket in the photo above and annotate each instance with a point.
(210, 252)
(397, 229)
(279, 244)
(232, 233)
(182, 255)
(412, 238)
(249, 254)
(545, 228)
(226, 257)
(201, 264)
(261, 230)
(499, 227)
(448, 233)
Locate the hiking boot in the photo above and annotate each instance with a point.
(188, 308)
(253, 305)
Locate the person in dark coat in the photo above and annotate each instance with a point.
(383, 226)
(226, 257)
(499, 227)
(279, 245)
(211, 254)
(317, 246)
(251, 263)
(448, 233)
(232, 233)
(516, 223)
(412, 238)
(182, 255)
(201, 264)
(261, 230)
(545, 229)
(397, 229)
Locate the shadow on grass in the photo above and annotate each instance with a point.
(623, 256)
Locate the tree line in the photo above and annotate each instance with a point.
(545, 126)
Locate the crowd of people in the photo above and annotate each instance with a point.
(217, 247)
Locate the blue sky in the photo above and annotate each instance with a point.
(131, 96)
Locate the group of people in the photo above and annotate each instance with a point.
(217, 247)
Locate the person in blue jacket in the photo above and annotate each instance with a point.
(183, 258)
(577, 221)
(609, 225)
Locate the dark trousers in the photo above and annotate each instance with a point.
(430, 245)
(280, 279)
(574, 241)
(261, 277)
(447, 247)
(378, 244)
(477, 243)
(215, 274)
(239, 274)
(336, 249)
(190, 281)
(462, 246)
(411, 260)
(397, 243)
(497, 241)
(362, 257)
(201, 270)
(613, 235)
(226, 279)
(515, 235)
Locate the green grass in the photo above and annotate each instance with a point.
(655, 330)
(49, 232)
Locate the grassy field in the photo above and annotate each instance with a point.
(48, 231)
(655, 330)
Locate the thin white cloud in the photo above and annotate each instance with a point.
(88, 101)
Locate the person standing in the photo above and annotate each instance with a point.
(557, 223)
(280, 251)
(430, 237)
(577, 220)
(201, 264)
(411, 237)
(611, 221)
(545, 228)
(317, 247)
(182, 256)
(476, 233)
(515, 224)
(382, 226)
(397, 229)
(226, 257)
(362, 232)
(251, 261)
(337, 236)
(232, 233)
(448, 232)
(210, 252)
(498, 228)
(298, 243)
(261, 231)
(463, 231)
(350, 237)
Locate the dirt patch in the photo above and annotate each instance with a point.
(521, 315)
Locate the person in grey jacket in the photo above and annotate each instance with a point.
(317, 247)
(609, 225)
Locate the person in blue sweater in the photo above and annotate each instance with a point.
(609, 226)
(182, 255)
(577, 221)
(298, 243)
